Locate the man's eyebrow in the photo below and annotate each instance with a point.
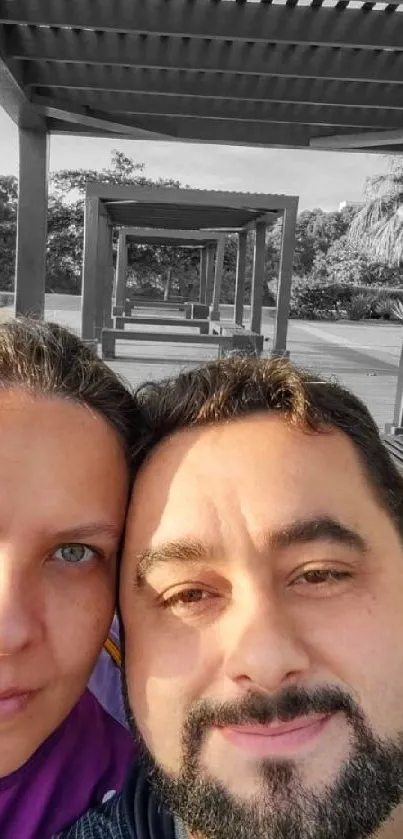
(181, 550)
(318, 529)
(88, 531)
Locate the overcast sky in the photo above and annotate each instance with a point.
(321, 179)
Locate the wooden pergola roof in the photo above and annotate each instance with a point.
(188, 209)
(285, 73)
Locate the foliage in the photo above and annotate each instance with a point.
(344, 263)
(315, 301)
(8, 222)
(315, 232)
(377, 229)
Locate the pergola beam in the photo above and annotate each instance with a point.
(142, 71)
(261, 22)
(121, 83)
(228, 132)
(79, 116)
(184, 197)
(182, 54)
(14, 100)
(365, 140)
(129, 106)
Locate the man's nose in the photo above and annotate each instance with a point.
(19, 619)
(262, 647)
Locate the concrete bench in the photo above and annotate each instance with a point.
(126, 310)
(110, 336)
(202, 325)
(194, 311)
(244, 342)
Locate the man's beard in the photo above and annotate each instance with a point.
(362, 797)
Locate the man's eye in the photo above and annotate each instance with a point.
(74, 553)
(187, 598)
(322, 576)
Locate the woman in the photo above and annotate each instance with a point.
(66, 428)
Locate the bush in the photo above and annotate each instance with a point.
(360, 306)
(315, 301)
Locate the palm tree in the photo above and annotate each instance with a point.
(377, 228)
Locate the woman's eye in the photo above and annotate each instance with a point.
(74, 553)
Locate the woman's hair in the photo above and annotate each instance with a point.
(49, 360)
(238, 386)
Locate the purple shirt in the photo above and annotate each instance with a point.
(83, 761)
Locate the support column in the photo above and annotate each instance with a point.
(121, 274)
(219, 265)
(203, 275)
(167, 290)
(258, 277)
(284, 280)
(108, 279)
(32, 223)
(396, 427)
(102, 263)
(90, 269)
(211, 254)
(240, 277)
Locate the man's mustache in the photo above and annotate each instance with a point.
(262, 709)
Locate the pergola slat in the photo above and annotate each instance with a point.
(217, 19)
(125, 106)
(86, 84)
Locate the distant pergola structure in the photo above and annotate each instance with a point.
(163, 208)
(321, 74)
(210, 246)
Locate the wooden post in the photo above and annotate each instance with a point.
(258, 277)
(240, 277)
(90, 269)
(211, 255)
(219, 265)
(398, 409)
(32, 223)
(203, 275)
(102, 263)
(121, 272)
(285, 279)
(167, 289)
(108, 278)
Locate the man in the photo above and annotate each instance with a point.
(262, 603)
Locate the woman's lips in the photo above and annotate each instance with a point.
(276, 738)
(13, 702)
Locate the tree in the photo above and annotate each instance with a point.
(8, 227)
(377, 229)
(315, 232)
(345, 264)
(66, 216)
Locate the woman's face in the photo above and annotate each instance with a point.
(63, 493)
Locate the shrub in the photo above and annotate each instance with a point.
(319, 302)
(360, 306)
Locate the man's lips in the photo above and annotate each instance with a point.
(276, 738)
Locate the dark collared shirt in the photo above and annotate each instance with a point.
(134, 814)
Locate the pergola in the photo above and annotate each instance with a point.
(207, 243)
(287, 73)
(107, 206)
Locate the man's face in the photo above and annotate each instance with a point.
(262, 595)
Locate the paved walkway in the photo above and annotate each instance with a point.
(363, 356)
